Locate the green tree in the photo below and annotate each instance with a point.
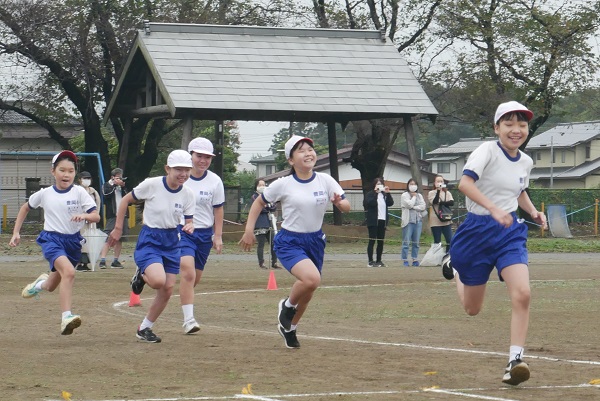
(70, 52)
(535, 52)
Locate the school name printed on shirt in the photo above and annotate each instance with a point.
(320, 197)
(73, 206)
(204, 196)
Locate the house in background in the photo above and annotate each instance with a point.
(396, 174)
(265, 165)
(26, 150)
(567, 156)
(449, 160)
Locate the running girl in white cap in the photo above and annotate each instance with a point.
(300, 244)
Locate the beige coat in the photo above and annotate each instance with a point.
(445, 196)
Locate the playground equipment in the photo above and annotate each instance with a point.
(557, 221)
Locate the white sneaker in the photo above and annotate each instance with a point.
(30, 291)
(191, 326)
(69, 324)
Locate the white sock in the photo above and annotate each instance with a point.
(515, 352)
(66, 314)
(146, 324)
(38, 286)
(188, 312)
(289, 304)
(293, 327)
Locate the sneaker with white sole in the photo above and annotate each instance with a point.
(30, 291)
(447, 270)
(147, 335)
(137, 282)
(285, 315)
(516, 372)
(291, 341)
(191, 326)
(69, 324)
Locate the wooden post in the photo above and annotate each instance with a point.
(333, 166)
(542, 227)
(218, 160)
(188, 126)
(596, 217)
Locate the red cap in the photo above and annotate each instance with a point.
(65, 153)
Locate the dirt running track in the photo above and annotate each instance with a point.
(384, 334)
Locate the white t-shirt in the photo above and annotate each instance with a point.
(500, 177)
(210, 194)
(303, 203)
(164, 207)
(381, 207)
(60, 206)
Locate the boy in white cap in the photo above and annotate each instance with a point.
(494, 181)
(66, 209)
(157, 254)
(208, 227)
(300, 244)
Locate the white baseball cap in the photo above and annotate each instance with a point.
(201, 145)
(289, 145)
(65, 153)
(509, 107)
(179, 158)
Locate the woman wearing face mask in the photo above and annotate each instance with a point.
(413, 207)
(85, 180)
(262, 228)
(376, 206)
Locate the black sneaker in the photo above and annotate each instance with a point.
(137, 282)
(147, 335)
(102, 264)
(116, 264)
(285, 315)
(447, 270)
(380, 264)
(516, 372)
(82, 267)
(291, 341)
(371, 264)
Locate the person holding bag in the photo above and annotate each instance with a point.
(414, 209)
(440, 220)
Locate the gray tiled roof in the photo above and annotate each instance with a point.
(262, 73)
(463, 146)
(566, 135)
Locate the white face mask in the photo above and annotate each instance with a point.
(412, 188)
(86, 183)
(260, 189)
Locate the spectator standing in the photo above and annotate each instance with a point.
(113, 191)
(377, 202)
(440, 196)
(85, 180)
(413, 209)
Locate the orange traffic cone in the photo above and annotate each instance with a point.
(272, 285)
(134, 300)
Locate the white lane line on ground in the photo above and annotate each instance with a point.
(463, 394)
(119, 307)
(277, 397)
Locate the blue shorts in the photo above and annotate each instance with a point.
(56, 244)
(291, 248)
(198, 245)
(158, 245)
(480, 243)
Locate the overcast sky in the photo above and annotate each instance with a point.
(256, 137)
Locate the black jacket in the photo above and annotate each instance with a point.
(370, 205)
(110, 200)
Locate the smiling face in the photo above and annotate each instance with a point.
(512, 132)
(303, 157)
(176, 176)
(201, 163)
(64, 173)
